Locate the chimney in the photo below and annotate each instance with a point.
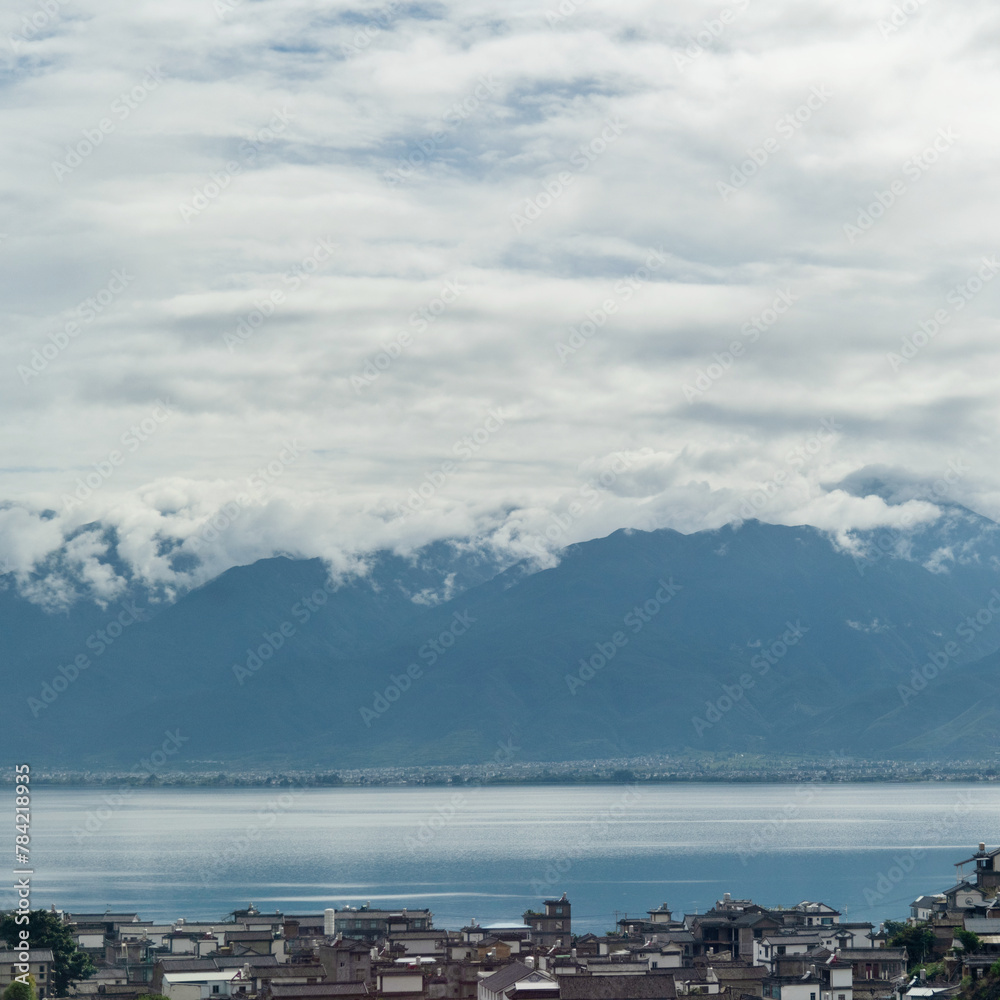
(982, 848)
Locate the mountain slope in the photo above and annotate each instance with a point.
(758, 637)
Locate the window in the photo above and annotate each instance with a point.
(812, 996)
(827, 920)
(215, 989)
(559, 911)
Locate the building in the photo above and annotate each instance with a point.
(877, 963)
(346, 961)
(551, 929)
(319, 991)
(366, 924)
(39, 966)
(986, 871)
(617, 988)
(496, 986)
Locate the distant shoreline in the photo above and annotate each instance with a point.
(617, 772)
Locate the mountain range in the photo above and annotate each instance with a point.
(754, 637)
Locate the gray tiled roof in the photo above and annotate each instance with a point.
(287, 971)
(507, 976)
(652, 987)
(280, 990)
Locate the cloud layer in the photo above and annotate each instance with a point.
(320, 279)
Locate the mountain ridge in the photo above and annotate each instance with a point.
(615, 651)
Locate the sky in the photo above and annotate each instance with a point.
(322, 279)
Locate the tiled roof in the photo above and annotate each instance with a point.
(725, 971)
(653, 987)
(34, 955)
(287, 971)
(507, 976)
(282, 990)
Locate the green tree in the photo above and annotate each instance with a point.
(18, 991)
(934, 971)
(46, 930)
(970, 942)
(917, 939)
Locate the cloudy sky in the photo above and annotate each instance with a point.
(360, 276)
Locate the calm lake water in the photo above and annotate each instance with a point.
(491, 853)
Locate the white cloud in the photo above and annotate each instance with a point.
(348, 114)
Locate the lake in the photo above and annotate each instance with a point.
(490, 853)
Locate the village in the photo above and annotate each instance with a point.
(737, 949)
